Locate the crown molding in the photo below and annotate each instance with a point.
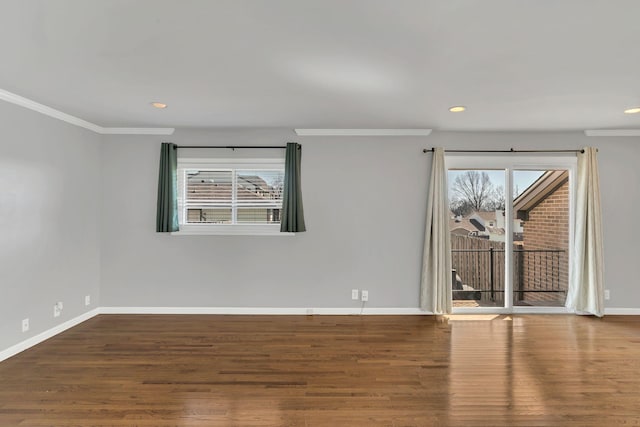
(612, 132)
(137, 131)
(56, 114)
(362, 132)
(48, 111)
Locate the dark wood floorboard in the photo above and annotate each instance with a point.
(203, 370)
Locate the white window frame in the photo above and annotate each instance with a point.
(509, 163)
(224, 229)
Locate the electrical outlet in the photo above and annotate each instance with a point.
(354, 294)
(25, 324)
(607, 294)
(57, 309)
(365, 295)
(87, 300)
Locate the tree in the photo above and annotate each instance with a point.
(472, 191)
(497, 201)
(460, 207)
(277, 187)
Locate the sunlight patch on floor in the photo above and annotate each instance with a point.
(476, 317)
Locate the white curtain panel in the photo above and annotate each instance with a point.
(435, 292)
(586, 288)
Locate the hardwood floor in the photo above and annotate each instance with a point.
(184, 370)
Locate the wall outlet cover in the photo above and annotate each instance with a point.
(25, 325)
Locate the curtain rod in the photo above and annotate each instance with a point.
(232, 147)
(511, 150)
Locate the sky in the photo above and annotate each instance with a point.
(522, 179)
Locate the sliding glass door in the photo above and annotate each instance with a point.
(510, 232)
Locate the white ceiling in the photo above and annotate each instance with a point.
(516, 65)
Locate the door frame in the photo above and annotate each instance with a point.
(510, 162)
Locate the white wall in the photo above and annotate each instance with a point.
(365, 231)
(49, 221)
(364, 204)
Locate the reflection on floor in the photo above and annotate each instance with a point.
(479, 303)
(295, 371)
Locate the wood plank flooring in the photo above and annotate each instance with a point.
(204, 370)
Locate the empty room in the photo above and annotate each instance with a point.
(319, 213)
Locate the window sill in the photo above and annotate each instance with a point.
(230, 230)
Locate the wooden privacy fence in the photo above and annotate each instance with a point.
(480, 264)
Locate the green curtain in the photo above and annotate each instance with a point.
(167, 215)
(292, 218)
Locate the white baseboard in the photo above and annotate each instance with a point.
(264, 310)
(37, 339)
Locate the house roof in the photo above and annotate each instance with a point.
(216, 186)
(470, 224)
(538, 191)
(495, 230)
(460, 231)
(486, 215)
(463, 224)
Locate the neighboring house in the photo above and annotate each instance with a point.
(464, 226)
(516, 226)
(473, 225)
(214, 187)
(484, 225)
(544, 210)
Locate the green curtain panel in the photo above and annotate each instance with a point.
(292, 218)
(167, 216)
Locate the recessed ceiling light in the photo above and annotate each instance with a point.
(632, 110)
(457, 109)
(159, 105)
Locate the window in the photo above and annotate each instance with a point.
(230, 196)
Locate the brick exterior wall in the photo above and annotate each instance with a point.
(547, 228)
